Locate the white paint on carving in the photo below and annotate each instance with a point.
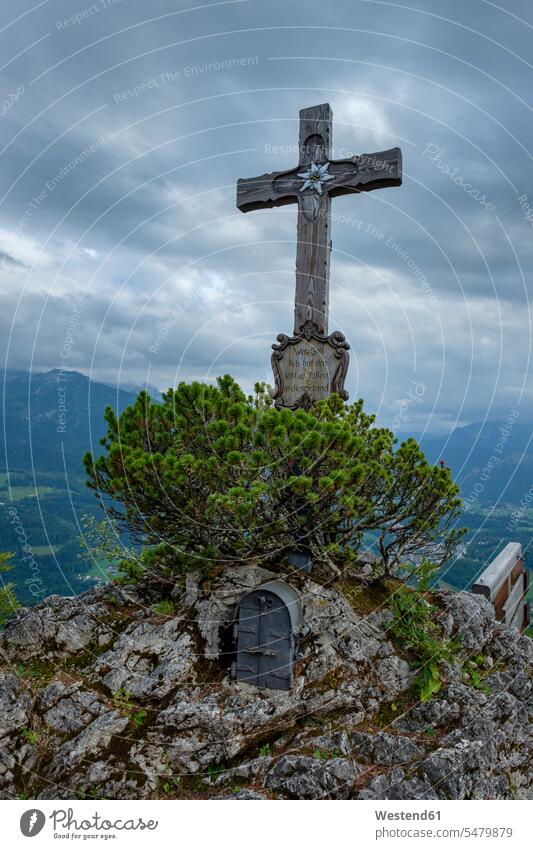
(315, 176)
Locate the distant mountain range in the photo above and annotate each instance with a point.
(35, 425)
(491, 461)
(46, 413)
(51, 419)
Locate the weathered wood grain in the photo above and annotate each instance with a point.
(505, 582)
(363, 173)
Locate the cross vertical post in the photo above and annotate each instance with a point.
(310, 365)
(311, 301)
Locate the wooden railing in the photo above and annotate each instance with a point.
(505, 583)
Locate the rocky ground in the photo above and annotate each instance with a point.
(101, 696)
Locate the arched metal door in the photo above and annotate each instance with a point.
(265, 642)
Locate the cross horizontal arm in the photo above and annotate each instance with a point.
(366, 172)
(267, 190)
(359, 174)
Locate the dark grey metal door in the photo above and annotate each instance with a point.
(265, 643)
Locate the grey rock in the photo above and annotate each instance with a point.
(190, 594)
(521, 686)
(149, 660)
(468, 615)
(302, 777)
(352, 719)
(91, 743)
(71, 709)
(393, 675)
(243, 795)
(504, 643)
(55, 627)
(335, 742)
(397, 785)
(452, 704)
(385, 749)
(463, 743)
(15, 705)
(249, 770)
(458, 772)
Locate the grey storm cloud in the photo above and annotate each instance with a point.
(125, 126)
(7, 261)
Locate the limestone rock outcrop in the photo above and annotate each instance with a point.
(101, 696)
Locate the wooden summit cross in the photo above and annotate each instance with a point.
(310, 365)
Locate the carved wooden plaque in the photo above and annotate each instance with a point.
(308, 368)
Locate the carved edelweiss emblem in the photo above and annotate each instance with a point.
(315, 176)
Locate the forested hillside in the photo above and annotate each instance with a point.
(53, 418)
(50, 420)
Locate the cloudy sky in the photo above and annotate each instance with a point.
(125, 125)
